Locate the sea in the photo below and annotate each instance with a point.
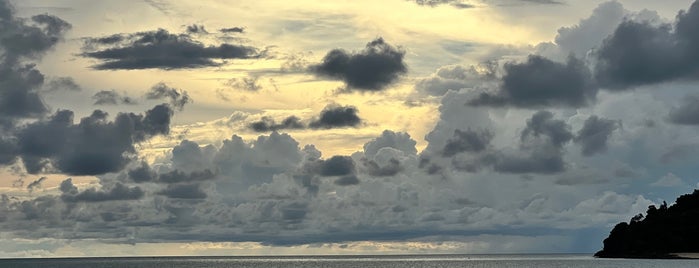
(428, 261)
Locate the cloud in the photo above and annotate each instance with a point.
(467, 141)
(71, 194)
(184, 191)
(20, 81)
(687, 113)
(336, 166)
(93, 146)
(541, 147)
(542, 124)
(36, 184)
(458, 77)
(374, 169)
(267, 124)
(669, 180)
(232, 30)
(336, 116)
(434, 3)
(111, 97)
(245, 83)
(645, 53)
(61, 83)
(389, 139)
(540, 82)
(178, 98)
(160, 50)
(196, 29)
(588, 34)
(594, 135)
(372, 69)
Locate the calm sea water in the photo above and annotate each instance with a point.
(433, 261)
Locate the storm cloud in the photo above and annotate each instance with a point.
(162, 50)
(374, 68)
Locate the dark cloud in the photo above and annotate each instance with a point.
(20, 82)
(184, 191)
(434, 3)
(467, 141)
(336, 116)
(142, 173)
(542, 160)
(540, 82)
(687, 113)
(93, 146)
(371, 69)
(111, 97)
(347, 180)
(337, 166)
(374, 169)
(541, 148)
(594, 134)
(232, 30)
(196, 29)
(643, 53)
(160, 49)
(119, 191)
(177, 176)
(542, 124)
(36, 184)
(178, 98)
(267, 124)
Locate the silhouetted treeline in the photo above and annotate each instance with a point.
(663, 231)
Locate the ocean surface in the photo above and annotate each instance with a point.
(435, 261)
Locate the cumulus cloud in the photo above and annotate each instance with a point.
(458, 77)
(645, 53)
(541, 82)
(20, 81)
(70, 193)
(93, 146)
(178, 98)
(267, 124)
(160, 49)
(372, 69)
(594, 134)
(335, 116)
(467, 141)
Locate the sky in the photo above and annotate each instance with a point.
(157, 127)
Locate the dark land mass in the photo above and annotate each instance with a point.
(661, 233)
